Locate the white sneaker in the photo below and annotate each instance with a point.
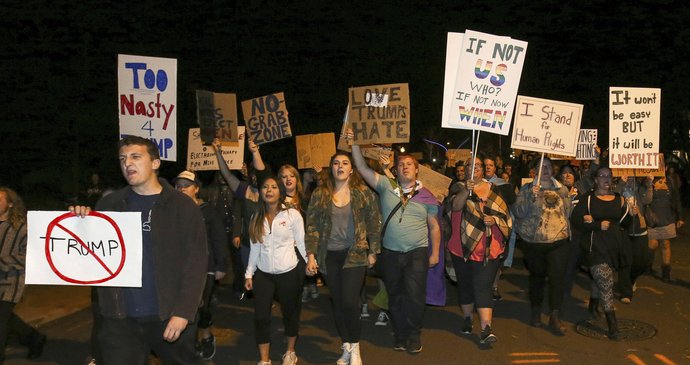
(382, 319)
(345, 357)
(289, 358)
(355, 358)
(365, 311)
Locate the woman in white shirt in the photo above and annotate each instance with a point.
(276, 267)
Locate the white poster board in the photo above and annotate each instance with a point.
(147, 101)
(634, 117)
(487, 82)
(102, 249)
(453, 47)
(547, 126)
(202, 158)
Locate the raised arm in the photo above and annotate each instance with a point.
(232, 180)
(369, 175)
(257, 161)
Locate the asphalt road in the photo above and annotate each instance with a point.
(664, 306)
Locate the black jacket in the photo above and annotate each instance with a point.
(180, 254)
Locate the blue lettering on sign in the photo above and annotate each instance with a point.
(152, 79)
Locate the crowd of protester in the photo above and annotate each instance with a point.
(281, 235)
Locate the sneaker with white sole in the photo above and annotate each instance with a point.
(382, 319)
(289, 358)
(347, 353)
(487, 336)
(207, 347)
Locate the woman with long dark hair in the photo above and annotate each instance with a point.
(598, 216)
(275, 267)
(343, 236)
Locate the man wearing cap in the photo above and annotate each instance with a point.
(159, 316)
(188, 183)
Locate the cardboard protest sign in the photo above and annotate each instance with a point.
(202, 158)
(315, 150)
(547, 126)
(455, 155)
(266, 118)
(487, 80)
(102, 249)
(659, 171)
(379, 113)
(217, 116)
(634, 117)
(375, 153)
(436, 183)
(147, 89)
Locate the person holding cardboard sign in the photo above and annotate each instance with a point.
(343, 235)
(410, 246)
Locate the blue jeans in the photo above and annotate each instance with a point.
(404, 274)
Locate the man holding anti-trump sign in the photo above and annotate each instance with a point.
(160, 315)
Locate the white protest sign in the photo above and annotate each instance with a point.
(147, 104)
(486, 83)
(547, 126)
(202, 158)
(453, 47)
(634, 117)
(587, 144)
(102, 249)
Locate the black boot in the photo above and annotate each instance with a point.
(36, 343)
(594, 312)
(535, 318)
(613, 326)
(666, 273)
(555, 325)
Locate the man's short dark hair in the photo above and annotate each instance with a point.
(151, 147)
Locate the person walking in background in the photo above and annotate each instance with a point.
(276, 267)
(343, 235)
(12, 262)
(663, 216)
(542, 211)
(218, 253)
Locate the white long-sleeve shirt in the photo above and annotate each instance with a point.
(276, 254)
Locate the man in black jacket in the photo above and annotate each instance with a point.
(160, 315)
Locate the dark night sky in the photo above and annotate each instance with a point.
(60, 87)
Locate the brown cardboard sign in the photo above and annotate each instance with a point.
(379, 113)
(315, 150)
(266, 118)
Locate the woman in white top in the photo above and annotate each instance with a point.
(276, 266)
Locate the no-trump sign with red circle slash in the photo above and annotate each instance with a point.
(101, 249)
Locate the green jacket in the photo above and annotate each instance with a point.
(367, 219)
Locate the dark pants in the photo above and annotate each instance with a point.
(287, 288)
(205, 318)
(546, 260)
(571, 268)
(129, 341)
(404, 274)
(475, 281)
(10, 322)
(345, 286)
(638, 251)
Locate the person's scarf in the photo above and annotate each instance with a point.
(473, 227)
